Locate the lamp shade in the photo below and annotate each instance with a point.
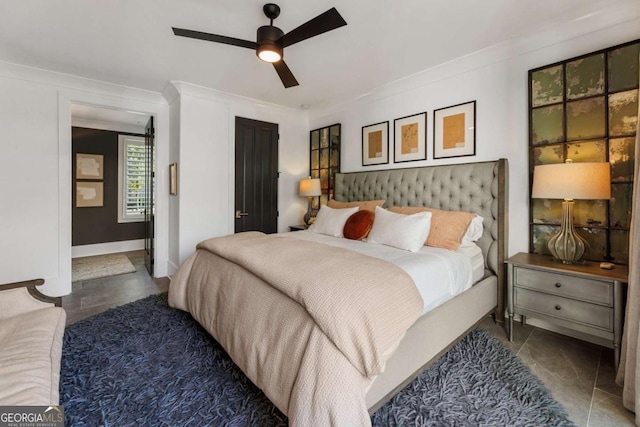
(310, 187)
(572, 181)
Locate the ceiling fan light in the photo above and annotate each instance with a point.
(268, 54)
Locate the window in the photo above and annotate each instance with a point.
(131, 171)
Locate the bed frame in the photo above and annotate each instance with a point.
(479, 188)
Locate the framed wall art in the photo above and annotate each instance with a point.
(89, 166)
(410, 138)
(89, 194)
(173, 179)
(375, 144)
(454, 131)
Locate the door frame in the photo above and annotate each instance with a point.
(149, 195)
(157, 108)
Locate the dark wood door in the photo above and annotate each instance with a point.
(149, 207)
(256, 180)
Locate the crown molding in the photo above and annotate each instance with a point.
(68, 81)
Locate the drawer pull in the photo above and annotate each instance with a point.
(558, 285)
(558, 307)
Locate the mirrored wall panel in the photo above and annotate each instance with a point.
(586, 109)
(324, 162)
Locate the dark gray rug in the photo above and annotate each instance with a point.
(145, 364)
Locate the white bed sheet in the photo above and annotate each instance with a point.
(439, 274)
(474, 252)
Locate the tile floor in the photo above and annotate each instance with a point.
(580, 375)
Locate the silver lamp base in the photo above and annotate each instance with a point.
(307, 216)
(567, 246)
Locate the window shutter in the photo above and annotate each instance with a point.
(134, 176)
(131, 191)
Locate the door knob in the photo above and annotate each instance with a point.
(240, 214)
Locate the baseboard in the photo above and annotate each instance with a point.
(107, 248)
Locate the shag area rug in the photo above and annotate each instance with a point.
(146, 364)
(94, 267)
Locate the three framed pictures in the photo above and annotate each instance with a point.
(454, 135)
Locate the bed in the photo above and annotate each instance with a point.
(298, 344)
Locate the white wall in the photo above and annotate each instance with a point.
(497, 79)
(204, 180)
(35, 195)
(29, 184)
(173, 261)
(203, 141)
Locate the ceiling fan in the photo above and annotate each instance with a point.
(271, 40)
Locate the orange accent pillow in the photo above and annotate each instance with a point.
(358, 225)
(447, 227)
(369, 205)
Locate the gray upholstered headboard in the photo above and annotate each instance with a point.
(479, 188)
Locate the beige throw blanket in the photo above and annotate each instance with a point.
(311, 325)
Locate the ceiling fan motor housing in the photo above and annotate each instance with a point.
(267, 40)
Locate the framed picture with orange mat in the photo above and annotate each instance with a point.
(410, 138)
(454, 131)
(375, 144)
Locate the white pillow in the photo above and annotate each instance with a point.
(474, 231)
(331, 221)
(407, 232)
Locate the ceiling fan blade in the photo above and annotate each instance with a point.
(285, 74)
(214, 38)
(330, 20)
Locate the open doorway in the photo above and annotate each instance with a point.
(112, 196)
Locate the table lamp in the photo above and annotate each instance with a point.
(569, 181)
(309, 188)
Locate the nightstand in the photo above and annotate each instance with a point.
(582, 301)
(298, 227)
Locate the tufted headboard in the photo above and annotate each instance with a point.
(480, 188)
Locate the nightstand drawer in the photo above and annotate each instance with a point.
(564, 308)
(564, 285)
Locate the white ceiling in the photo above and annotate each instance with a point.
(130, 42)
